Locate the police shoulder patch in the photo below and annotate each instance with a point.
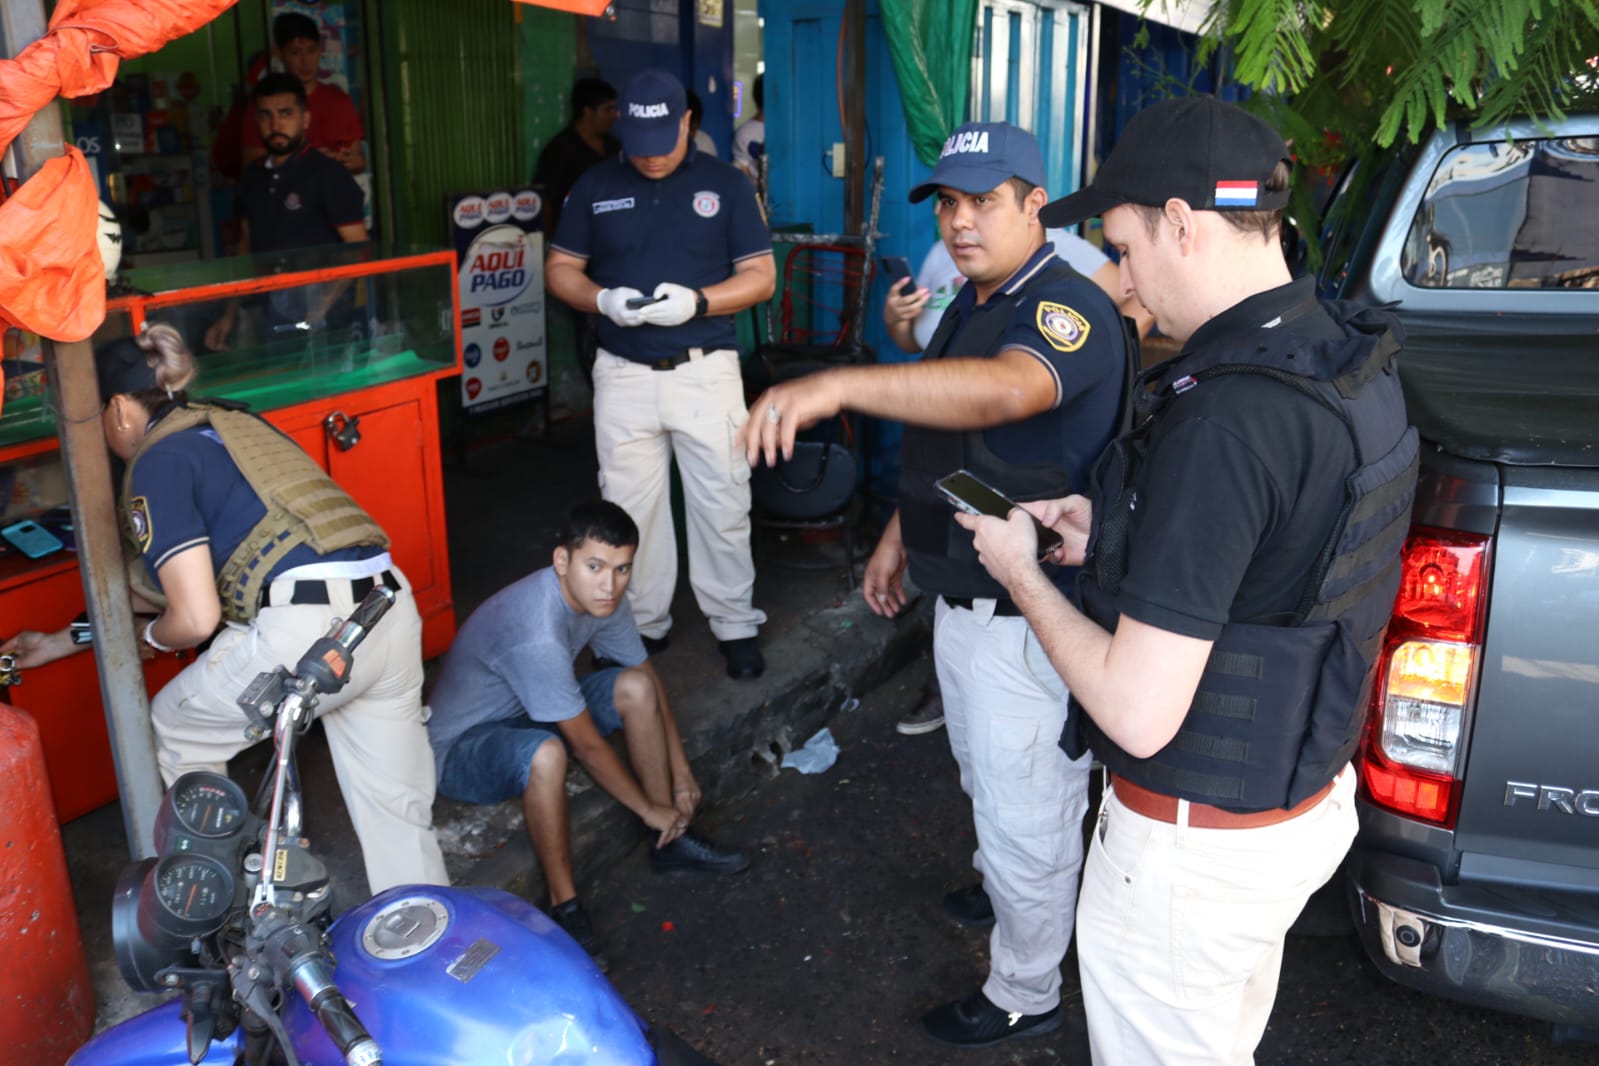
(1061, 326)
(139, 519)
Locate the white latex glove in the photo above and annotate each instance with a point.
(613, 305)
(676, 308)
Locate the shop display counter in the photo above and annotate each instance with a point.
(340, 348)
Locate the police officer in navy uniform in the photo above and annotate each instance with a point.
(295, 197)
(274, 576)
(1022, 384)
(668, 244)
(1242, 555)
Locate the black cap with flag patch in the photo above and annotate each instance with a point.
(1215, 155)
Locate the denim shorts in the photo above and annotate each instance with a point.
(491, 761)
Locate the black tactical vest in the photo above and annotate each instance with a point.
(1281, 704)
(940, 553)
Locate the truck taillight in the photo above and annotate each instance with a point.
(1425, 676)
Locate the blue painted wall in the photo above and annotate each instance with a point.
(666, 34)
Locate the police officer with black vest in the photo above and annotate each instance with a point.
(229, 524)
(1022, 385)
(668, 244)
(1242, 554)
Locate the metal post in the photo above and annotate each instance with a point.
(76, 398)
(855, 115)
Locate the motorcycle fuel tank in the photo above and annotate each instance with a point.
(459, 976)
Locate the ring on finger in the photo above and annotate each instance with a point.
(773, 415)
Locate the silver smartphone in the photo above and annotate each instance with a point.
(971, 494)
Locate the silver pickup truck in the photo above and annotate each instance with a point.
(1476, 872)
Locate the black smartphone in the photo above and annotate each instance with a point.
(636, 302)
(974, 496)
(896, 267)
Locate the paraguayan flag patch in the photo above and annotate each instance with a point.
(1237, 193)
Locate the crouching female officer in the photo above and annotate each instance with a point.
(238, 527)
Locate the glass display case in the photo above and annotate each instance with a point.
(339, 347)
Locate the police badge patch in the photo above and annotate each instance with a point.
(707, 204)
(139, 519)
(1062, 327)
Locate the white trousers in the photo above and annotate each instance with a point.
(1180, 930)
(1004, 707)
(375, 728)
(642, 417)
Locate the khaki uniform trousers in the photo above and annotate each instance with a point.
(642, 417)
(1180, 930)
(374, 726)
(1004, 708)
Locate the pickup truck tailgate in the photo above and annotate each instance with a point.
(1530, 810)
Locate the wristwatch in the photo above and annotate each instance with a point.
(701, 304)
(80, 630)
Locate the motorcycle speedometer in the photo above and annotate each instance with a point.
(161, 907)
(199, 811)
(195, 893)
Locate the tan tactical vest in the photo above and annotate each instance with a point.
(303, 506)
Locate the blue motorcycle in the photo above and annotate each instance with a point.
(234, 915)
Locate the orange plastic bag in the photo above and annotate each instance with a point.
(51, 278)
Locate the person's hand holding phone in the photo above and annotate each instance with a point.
(905, 300)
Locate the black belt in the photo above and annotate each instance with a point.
(673, 361)
(316, 590)
(1002, 608)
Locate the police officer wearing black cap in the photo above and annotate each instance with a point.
(1022, 384)
(668, 244)
(239, 542)
(1242, 555)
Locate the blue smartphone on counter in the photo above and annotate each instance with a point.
(31, 539)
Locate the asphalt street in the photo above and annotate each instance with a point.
(830, 948)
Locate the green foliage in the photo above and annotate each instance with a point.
(1378, 71)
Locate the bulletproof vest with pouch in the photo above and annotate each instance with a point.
(940, 552)
(303, 505)
(1280, 706)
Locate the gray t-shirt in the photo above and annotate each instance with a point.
(513, 657)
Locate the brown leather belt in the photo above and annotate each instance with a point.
(1163, 808)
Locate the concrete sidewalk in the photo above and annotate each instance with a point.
(822, 647)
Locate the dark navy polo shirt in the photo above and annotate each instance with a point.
(300, 204)
(690, 227)
(187, 491)
(1070, 326)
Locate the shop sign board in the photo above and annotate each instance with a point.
(499, 244)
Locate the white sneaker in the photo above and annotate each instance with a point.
(927, 717)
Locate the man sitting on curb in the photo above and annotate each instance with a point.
(507, 690)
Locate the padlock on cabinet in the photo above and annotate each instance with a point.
(343, 430)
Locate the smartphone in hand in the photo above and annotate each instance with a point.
(971, 494)
(635, 302)
(898, 268)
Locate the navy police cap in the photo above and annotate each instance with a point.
(649, 113)
(981, 156)
(1214, 155)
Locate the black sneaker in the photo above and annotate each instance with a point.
(574, 922)
(656, 645)
(970, 906)
(693, 852)
(976, 1022)
(744, 661)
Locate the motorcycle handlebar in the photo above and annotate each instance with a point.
(313, 979)
(326, 664)
(349, 1035)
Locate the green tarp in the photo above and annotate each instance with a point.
(931, 44)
